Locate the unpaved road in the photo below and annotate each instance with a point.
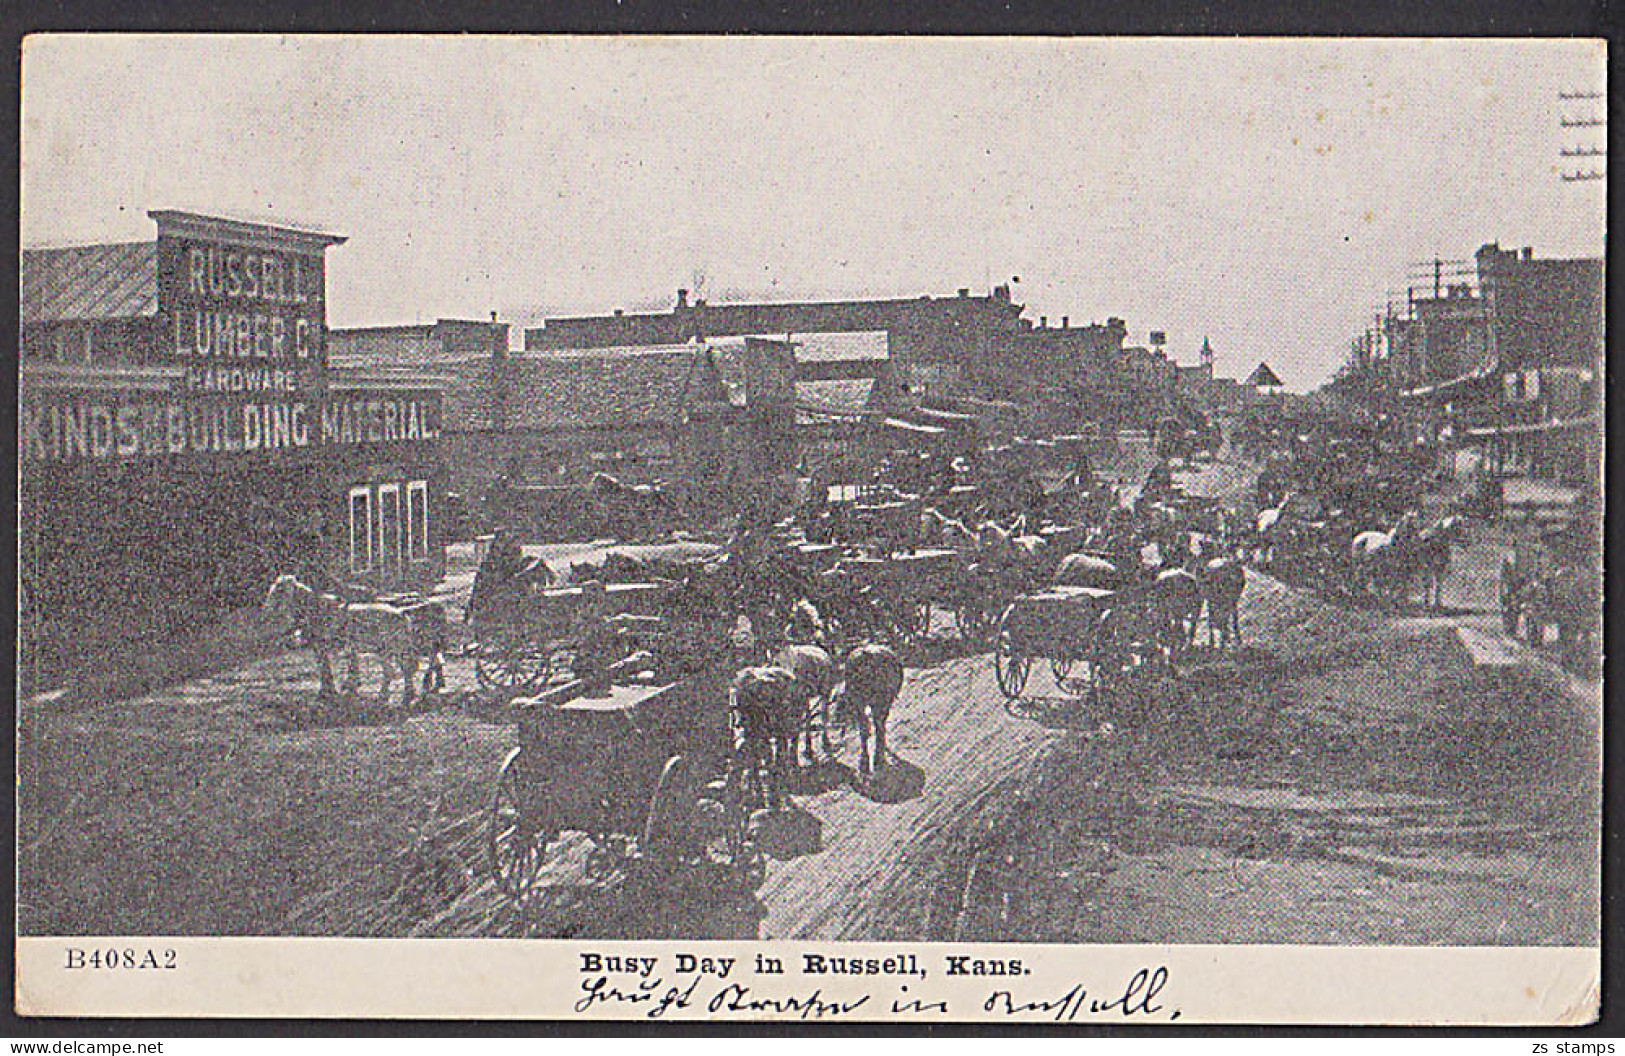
(1347, 778)
(952, 740)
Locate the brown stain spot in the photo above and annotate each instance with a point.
(1368, 216)
(1320, 115)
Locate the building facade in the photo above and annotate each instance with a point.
(1511, 374)
(416, 344)
(965, 346)
(705, 421)
(182, 438)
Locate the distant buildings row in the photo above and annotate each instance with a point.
(188, 417)
(1506, 367)
(610, 392)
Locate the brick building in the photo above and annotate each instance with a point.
(416, 344)
(707, 420)
(963, 346)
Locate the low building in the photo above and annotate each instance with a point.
(1511, 376)
(416, 344)
(709, 420)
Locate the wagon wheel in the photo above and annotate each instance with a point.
(512, 663)
(517, 846)
(669, 831)
(1010, 666)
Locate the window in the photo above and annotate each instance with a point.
(389, 527)
(417, 520)
(361, 529)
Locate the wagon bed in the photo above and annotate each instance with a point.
(643, 769)
(1104, 629)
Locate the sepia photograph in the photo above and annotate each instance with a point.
(1137, 492)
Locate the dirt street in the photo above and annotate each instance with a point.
(1346, 777)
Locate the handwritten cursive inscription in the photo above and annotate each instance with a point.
(1138, 998)
(736, 997)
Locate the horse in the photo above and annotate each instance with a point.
(1087, 570)
(766, 713)
(1179, 599)
(331, 626)
(1267, 531)
(1431, 552)
(318, 620)
(814, 674)
(1377, 554)
(1222, 581)
(874, 677)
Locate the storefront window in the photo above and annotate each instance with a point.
(417, 520)
(389, 527)
(361, 529)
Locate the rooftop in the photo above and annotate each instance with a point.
(584, 389)
(113, 281)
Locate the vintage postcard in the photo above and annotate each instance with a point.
(794, 529)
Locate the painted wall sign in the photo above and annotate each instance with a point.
(63, 428)
(380, 420)
(243, 318)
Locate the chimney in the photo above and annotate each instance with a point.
(619, 312)
(1064, 321)
(682, 299)
(1528, 252)
(1043, 322)
(964, 291)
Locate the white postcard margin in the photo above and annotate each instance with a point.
(920, 983)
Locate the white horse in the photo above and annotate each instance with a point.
(1268, 529)
(332, 627)
(1377, 555)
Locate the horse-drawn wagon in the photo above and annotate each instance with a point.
(520, 641)
(884, 598)
(1555, 580)
(523, 630)
(1096, 616)
(644, 770)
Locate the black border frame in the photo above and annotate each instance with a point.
(1192, 18)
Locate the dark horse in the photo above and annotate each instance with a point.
(874, 677)
(767, 712)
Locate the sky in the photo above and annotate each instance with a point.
(1266, 194)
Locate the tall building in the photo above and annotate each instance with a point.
(1512, 373)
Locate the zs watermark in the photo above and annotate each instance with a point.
(120, 959)
(1573, 1048)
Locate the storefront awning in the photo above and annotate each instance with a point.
(1438, 388)
(1589, 422)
